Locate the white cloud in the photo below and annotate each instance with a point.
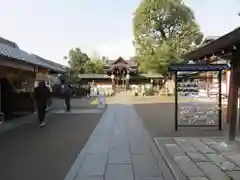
(113, 50)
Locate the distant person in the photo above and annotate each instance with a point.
(93, 83)
(88, 90)
(42, 95)
(67, 94)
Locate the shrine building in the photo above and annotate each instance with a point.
(121, 73)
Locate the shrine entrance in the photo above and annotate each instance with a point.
(120, 77)
(120, 72)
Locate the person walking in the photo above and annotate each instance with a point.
(67, 94)
(88, 90)
(42, 95)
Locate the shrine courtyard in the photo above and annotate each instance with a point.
(157, 114)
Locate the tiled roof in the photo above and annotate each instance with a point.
(198, 67)
(18, 54)
(7, 42)
(216, 46)
(131, 62)
(55, 66)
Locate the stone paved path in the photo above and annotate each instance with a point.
(120, 148)
(201, 158)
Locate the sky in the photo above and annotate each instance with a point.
(50, 28)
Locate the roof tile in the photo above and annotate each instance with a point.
(18, 54)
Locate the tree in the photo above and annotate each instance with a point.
(164, 30)
(77, 60)
(81, 63)
(94, 66)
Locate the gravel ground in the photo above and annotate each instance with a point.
(159, 121)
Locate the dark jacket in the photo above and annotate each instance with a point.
(42, 94)
(67, 91)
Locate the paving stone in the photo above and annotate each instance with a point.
(222, 162)
(188, 167)
(208, 141)
(119, 172)
(174, 150)
(93, 148)
(120, 155)
(198, 178)
(235, 157)
(120, 141)
(94, 165)
(139, 147)
(157, 153)
(212, 171)
(197, 157)
(202, 147)
(118, 128)
(89, 178)
(185, 145)
(224, 147)
(237, 139)
(235, 175)
(145, 166)
(155, 178)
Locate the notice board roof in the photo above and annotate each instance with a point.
(198, 67)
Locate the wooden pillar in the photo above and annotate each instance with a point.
(233, 95)
(229, 104)
(227, 81)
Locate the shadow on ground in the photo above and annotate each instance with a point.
(158, 119)
(76, 103)
(32, 153)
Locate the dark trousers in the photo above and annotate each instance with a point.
(88, 92)
(68, 103)
(41, 110)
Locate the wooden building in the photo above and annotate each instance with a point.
(123, 73)
(18, 71)
(226, 47)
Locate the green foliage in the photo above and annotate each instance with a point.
(94, 66)
(81, 63)
(164, 30)
(77, 59)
